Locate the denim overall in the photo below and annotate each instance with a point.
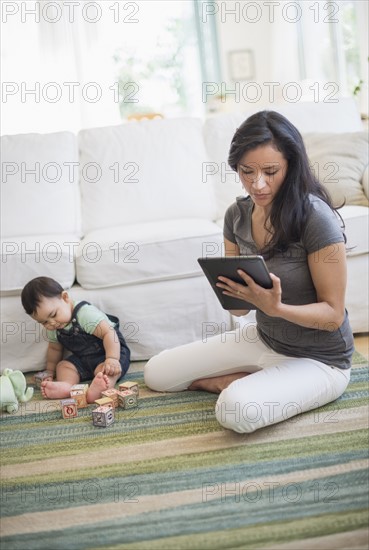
(88, 350)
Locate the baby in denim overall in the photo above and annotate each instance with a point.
(98, 349)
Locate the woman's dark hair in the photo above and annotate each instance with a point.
(38, 288)
(291, 204)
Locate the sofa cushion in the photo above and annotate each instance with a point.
(23, 258)
(144, 171)
(218, 133)
(39, 189)
(339, 162)
(365, 181)
(142, 253)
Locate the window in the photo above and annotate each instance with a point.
(72, 65)
(157, 61)
(346, 40)
(332, 44)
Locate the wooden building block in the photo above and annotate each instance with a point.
(132, 386)
(103, 416)
(69, 408)
(127, 399)
(79, 393)
(113, 394)
(105, 401)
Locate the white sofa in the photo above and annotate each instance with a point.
(120, 215)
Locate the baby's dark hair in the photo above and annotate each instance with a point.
(36, 289)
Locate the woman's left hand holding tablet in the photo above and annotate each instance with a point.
(267, 300)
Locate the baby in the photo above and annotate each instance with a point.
(98, 349)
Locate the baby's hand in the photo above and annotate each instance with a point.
(112, 367)
(47, 375)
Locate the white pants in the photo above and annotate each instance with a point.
(278, 388)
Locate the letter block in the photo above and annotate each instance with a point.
(103, 416)
(79, 393)
(69, 408)
(105, 401)
(132, 386)
(113, 394)
(127, 399)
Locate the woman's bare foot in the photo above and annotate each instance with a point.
(55, 390)
(99, 384)
(216, 384)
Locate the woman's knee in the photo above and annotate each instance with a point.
(150, 377)
(245, 411)
(236, 415)
(154, 377)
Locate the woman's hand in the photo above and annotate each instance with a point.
(267, 300)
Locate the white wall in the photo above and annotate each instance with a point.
(263, 28)
(274, 31)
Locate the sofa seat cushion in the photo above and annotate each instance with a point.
(356, 220)
(146, 252)
(24, 258)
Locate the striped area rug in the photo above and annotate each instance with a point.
(166, 476)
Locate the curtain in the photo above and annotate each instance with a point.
(70, 65)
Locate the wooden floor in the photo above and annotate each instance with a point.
(362, 344)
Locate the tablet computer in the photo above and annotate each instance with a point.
(227, 266)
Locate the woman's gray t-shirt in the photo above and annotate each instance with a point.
(322, 229)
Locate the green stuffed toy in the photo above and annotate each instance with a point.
(13, 389)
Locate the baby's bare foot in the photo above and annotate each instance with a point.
(99, 384)
(55, 390)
